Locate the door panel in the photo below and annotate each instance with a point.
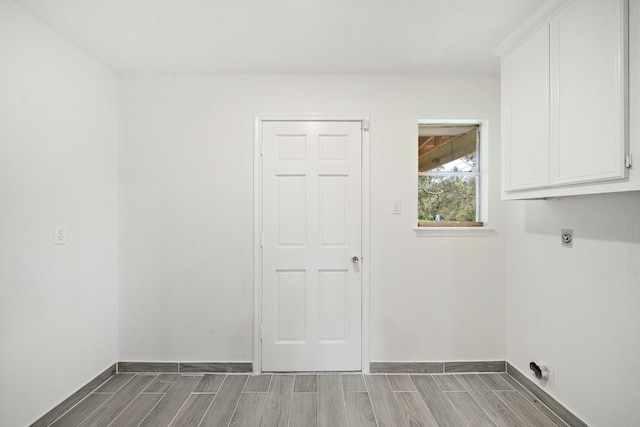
(291, 210)
(333, 316)
(332, 210)
(589, 92)
(311, 204)
(291, 307)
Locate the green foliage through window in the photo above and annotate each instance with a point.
(448, 193)
(449, 199)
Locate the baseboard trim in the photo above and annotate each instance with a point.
(229, 367)
(60, 409)
(406, 367)
(436, 367)
(475, 366)
(566, 415)
(158, 367)
(186, 367)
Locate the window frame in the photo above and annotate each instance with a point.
(482, 193)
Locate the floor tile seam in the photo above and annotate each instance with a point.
(157, 377)
(386, 377)
(317, 404)
(462, 417)
(439, 386)
(395, 398)
(204, 414)
(306, 391)
(495, 389)
(119, 388)
(344, 402)
(195, 388)
(122, 410)
(171, 387)
(84, 398)
(444, 393)
(235, 408)
(344, 389)
(260, 408)
(535, 398)
(154, 406)
(512, 410)
(536, 408)
(366, 386)
(485, 410)
(151, 410)
(78, 403)
(130, 402)
(290, 406)
(244, 387)
(422, 400)
(181, 406)
(466, 390)
(183, 403)
(113, 396)
(165, 394)
(268, 385)
(507, 405)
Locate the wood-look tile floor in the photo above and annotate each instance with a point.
(336, 400)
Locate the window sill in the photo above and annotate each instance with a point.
(441, 231)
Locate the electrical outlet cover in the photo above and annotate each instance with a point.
(566, 237)
(60, 235)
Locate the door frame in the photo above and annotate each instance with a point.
(259, 119)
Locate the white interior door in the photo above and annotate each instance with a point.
(311, 282)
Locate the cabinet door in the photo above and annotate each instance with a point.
(525, 100)
(588, 74)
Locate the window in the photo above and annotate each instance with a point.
(448, 175)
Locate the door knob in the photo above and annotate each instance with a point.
(355, 259)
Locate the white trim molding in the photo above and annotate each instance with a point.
(483, 197)
(454, 231)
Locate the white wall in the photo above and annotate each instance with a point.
(186, 217)
(578, 309)
(58, 153)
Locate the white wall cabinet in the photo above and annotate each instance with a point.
(525, 106)
(565, 102)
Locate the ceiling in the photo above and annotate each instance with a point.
(287, 36)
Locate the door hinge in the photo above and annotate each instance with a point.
(627, 161)
(365, 125)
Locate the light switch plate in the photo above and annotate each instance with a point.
(397, 207)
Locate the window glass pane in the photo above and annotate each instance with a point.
(446, 198)
(442, 148)
(468, 163)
